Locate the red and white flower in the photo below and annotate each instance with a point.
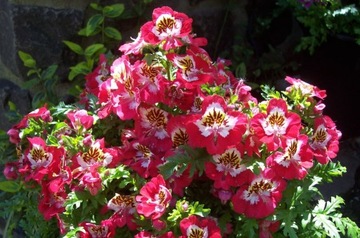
(295, 161)
(194, 226)
(104, 230)
(95, 155)
(217, 127)
(168, 27)
(80, 119)
(124, 207)
(154, 198)
(260, 195)
(305, 88)
(227, 169)
(325, 140)
(276, 124)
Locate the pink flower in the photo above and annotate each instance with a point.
(96, 155)
(51, 203)
(325, 140)
(120, 93)
(177, 131)
(92, 181)
(154, 198)
(41, 113)
(80, 119)
(167, 27)
(193, 68)
(277, 124)
(100, 74)
(135, 47)
(294, 161)
(42, 159)
(142, 159)
(194, 226)
(151, 124)
(104, 230)
(223, 195)
(13, 134)
(217, 127)
(150, 80)
(259, 197)
(11, 170)
(124, 207)
(227, 169)
(146, 234)
(266, 228)
(306, 89)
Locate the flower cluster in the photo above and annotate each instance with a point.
(166, 142)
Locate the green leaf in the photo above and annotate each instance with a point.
(12, 106)
(94, 22)
(74, 47)
(113, 33)
(241, 70)
(92, 49)
(30, 63)
(82, 32)
(31, 72)
(352, 228)
(73, 232)
(80, 68)
(118, 173)
(52, 140)
(323, 222)
(38, 99)
(198, 209)
(250, 227)
(31, 83)
(96, 6)
(24, 56)
(324, 214)
(9, 186)
(49, 72)
(27, 59)
(175, 164)
(114, 10)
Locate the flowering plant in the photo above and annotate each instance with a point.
(165, 142)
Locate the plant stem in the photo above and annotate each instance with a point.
(8, 224)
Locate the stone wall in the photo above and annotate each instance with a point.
(36, 27)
